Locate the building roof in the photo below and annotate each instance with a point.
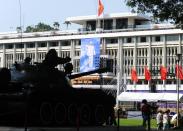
(81, 19)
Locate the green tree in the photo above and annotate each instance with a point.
(162, 10)
(43, 27)
(56, 25)
(29, 29)
(40, 27)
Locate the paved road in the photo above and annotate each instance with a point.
(138, 128)
(74, 129)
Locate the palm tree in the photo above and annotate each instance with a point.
(67, 23)
(19, 29)
(56, 25)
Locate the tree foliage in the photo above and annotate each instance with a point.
(40, 27)
(161, 9)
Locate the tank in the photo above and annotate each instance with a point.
(42, 95)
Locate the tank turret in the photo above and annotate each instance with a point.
(43, 96)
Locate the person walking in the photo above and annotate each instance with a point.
(146, 114)
(166, 120)
(159, 120)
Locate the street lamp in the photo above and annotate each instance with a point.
(178, 60)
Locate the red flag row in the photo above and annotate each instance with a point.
(163, 73)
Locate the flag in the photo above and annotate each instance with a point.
(179, 72)
(163, 72)
(147, 74)
(134, 76)
(100, 8)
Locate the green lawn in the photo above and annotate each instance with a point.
(135, 122)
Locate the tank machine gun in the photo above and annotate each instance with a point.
(46, 98)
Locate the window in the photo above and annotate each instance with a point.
(53, 44)
(172, 37)
(9, 46)
(1, 47)
(41, 44)
(30, 45)
(129, 40)
(19, 46)
(91, 25)
(143, 39)
(157, 39)
(65, 43)
(107, 24)
(111, 40)
(121, 23)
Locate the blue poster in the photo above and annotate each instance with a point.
(90, 54)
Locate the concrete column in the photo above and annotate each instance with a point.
(36, 51)
(114, 24)
(59, 53)
(180, 44)
(119, 68)
(103, 42)
(149, 60)
(164, 58)
(14, 53)
(48, 45)
(25, 50)
(59, 48)
(3, 57)
(135, 57)
(72, 51)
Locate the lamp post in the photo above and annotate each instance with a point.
(178, 60)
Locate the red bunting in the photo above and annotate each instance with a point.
(179, 72)
(134, 76)
(163, 72)
(147, 73)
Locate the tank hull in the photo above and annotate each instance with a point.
(55, 106)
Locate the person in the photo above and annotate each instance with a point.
(26, 64)
(166, 120)
(47, 71)
(173, 121)
(68, 68)
(159, 120)
(52, 60)
(146, 114)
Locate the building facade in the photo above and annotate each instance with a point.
(131, 40)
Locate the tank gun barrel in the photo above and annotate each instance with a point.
(101, 70)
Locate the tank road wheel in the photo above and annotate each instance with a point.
(99, 114)
(85, 114)
(60, 113)
(46, 113)
(72, 114)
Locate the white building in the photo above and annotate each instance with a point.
(139, 41)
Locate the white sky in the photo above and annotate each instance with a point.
(50, 11)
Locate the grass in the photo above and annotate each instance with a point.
(135, 122)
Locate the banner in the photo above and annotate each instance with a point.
(90, 54)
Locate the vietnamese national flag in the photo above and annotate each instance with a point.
(179, 72)
(134, 76)
(163, 72)
(100, 8)
(147, 74)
